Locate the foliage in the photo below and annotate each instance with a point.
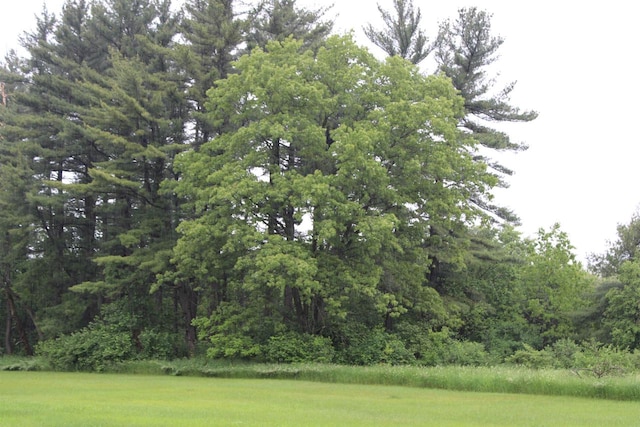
(464, 50)
(106, 341)
(623, 249)
(554, 285)
(90, 349)
(294, 348)
(623, 308)
(589, 357)
(244, 184)
(277, 20)
(605, 360)
(362, 346)
(401, 34)
(323, 183)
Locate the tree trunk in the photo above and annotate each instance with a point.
(13, 313)
(8, 348)
(188, 300)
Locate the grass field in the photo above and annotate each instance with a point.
(76, 399)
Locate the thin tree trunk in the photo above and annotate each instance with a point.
(8, 348)
(13, 312)
(189, 302)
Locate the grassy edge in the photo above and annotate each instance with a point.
(501, 379)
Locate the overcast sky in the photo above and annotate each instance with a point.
(575, 64)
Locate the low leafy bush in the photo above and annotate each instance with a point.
(432, 348)
(108, 340)
(604, 360)
(161, 345)
(91, 349)
(591, 358)
(363, 346)
(292, 347)
(532, 358)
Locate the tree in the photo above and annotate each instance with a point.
(16, 223)
(319, 204)
(41, 124)
(621, 317)
(275, 20)
(402, 35)
(489, 293)
(101, 115)
(213, 34)
(137, 119)
(555, 285)
(464, 49)
(624, 248)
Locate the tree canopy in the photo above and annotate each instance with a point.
(243, 183)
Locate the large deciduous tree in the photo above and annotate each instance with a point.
(319, 205)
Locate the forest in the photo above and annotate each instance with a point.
(237, 181)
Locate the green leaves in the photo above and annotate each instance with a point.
(323, 195)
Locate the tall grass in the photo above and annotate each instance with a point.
(501, 379)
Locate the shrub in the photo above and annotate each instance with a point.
(93, 348)
(161, 345)
(292, 347)
(531, 358)
(564, 353)
(364, 346)
(467, 353)
(233, 346)
(604, 360)
(433, 348)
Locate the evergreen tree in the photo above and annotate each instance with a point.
(43, 124)
(402, 34)
(278, 19)
(138, 121)
(464, 49)
(101, 116)
(213, 34)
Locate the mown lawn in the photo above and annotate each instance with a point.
(75, 399)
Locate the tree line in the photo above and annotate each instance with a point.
(236, 180)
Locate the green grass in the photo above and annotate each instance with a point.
(77, 399)
(502, 379)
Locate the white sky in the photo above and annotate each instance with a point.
(575, 63)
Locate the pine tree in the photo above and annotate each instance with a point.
(278, 19)
(464, 50)
(213, 34)
(402, 35)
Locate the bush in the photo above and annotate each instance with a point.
(161, 345)
(363, 346)
(564, 353)
(292, 347)
(467, 353)
(531, 358)
(439, 348)
(233, 346)
(604, 360)
(93, 348)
